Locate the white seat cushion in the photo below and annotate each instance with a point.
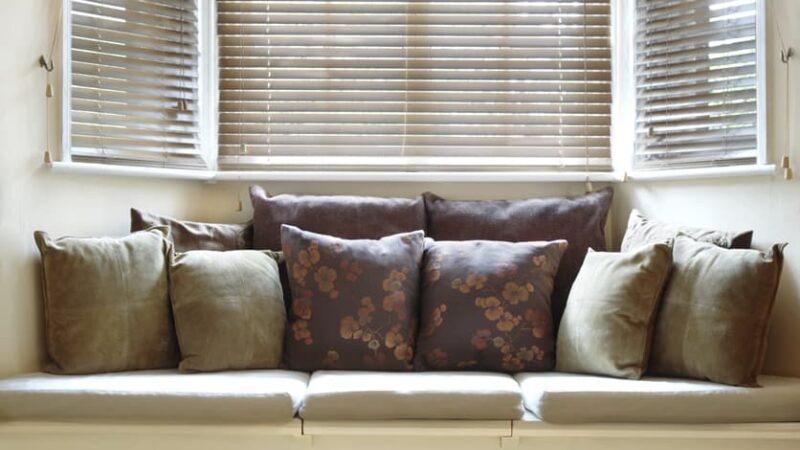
(569, 398)
(252, 396)
(336, 395)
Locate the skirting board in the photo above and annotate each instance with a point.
(395, 435)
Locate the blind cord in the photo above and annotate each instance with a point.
(404, 137)
(786, 55)
(589, 187)
(48, 65)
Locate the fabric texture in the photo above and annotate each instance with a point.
(229, 311)
(106, 303)
(608, 324)
(340, 216)
(253, 396)
(337, 395)
(187, 235)
(347, 217)
(642, 231)
(713, 319)
(485, 305)
(355, 301)
(578, 220)
(571, 398)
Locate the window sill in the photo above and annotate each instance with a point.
(397, 176)
(694, 174)
(329, 176)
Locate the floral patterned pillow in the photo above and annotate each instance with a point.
(355, 301)
(486, 305)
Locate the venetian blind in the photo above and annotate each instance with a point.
(391, 84)
(696, 83)
(133, 90)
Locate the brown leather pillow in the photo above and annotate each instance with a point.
(642, 231)
(188, 235)
(579, 220)
(486, 305)
(713, 319)
(106, 303)
(355, 301)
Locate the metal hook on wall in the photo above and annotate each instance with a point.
(48, 66)
(786, 54)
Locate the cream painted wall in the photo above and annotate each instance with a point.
(33, 198)
(768, 204)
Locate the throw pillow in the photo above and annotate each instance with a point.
(642, 231)
(188, 235)
(106, 303)
(608, 324)
(341, 216)
(580, 220)
(486, 305)
(355, 301)
(713, 319)
(229, 311)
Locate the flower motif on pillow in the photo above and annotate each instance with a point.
(486, 305)
(355, 301)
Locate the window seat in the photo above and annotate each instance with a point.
(570, 398)
(246, 396)
(358, 410)
(338, 395)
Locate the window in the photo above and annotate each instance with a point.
(699, 91)
(412, 85)
(132, 83)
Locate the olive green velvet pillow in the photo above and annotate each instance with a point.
(106, 303)
(229, 311)
(608, 322)
(712, 323)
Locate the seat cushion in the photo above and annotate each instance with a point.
(251, 396)
(335, 395)
(568, 398)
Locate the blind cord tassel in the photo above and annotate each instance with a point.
(589, 187)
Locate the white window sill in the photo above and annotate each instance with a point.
(366, 176)
(386, 176)
(711, 172)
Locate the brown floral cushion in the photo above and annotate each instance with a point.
(486, 305)
(355, 301)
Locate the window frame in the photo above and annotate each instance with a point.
(623, 113)
(623, 156)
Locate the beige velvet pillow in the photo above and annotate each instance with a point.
(229, 311)
(642, 230)
(607, 325)
(187, 235)
(713, 319)
(106, 303)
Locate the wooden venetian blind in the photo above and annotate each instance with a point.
(133, 89)
(696, 83)
(414, 85)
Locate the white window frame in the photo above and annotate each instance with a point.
(623, 116)
(624, 104)
(207, 103)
